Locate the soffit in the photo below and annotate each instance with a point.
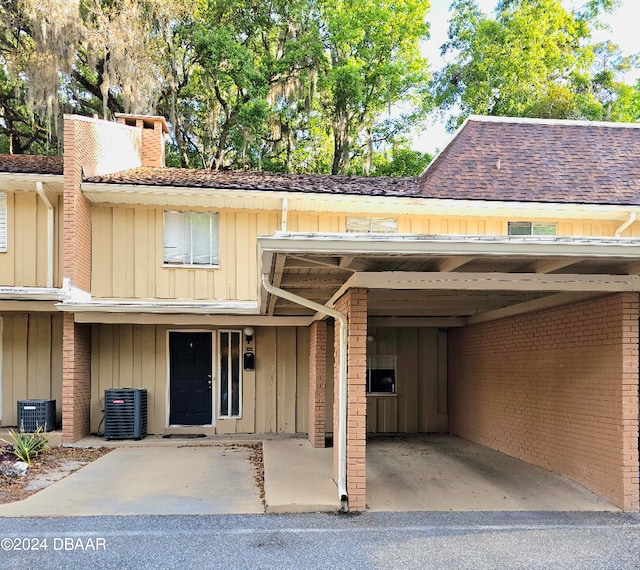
(436, 276)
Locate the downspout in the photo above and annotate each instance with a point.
(342, 381)
(625, 225)
(50, 233)
(285, 214)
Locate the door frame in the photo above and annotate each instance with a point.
(214, 377)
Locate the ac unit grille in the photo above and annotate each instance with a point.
(34, 414)
(125, 413)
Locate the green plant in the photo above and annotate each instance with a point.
(25, 446)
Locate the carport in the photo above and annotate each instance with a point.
(531, 344)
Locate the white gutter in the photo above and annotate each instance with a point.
(447, 245)
(219, 308)
(50, 232)
(625, 225)
(180, 196)
(32, 293)
(342, 380)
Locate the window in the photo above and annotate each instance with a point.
(191, 238)
(3, 222)
(531, 229)
(230, 374)
(372, 225)
(381, 374)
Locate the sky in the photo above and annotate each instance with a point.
(624, 32)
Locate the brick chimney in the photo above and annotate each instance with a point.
(153, 130)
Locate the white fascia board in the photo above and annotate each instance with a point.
(220, 308)
(537, 121)
(179, 196)
(383, 244)
(182, 320)
(26, 182)
(33, 293)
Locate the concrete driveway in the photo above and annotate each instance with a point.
(177, 479)
(446, 473)
(417, 473)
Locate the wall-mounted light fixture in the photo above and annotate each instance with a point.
(249, 359)
(370, 338)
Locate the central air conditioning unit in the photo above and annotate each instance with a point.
(125, 413)
(34, 414)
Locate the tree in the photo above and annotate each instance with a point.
(285, 85)
(533, 59)
(85, 56)
(373, 63)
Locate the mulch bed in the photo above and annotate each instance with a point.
(49, 461)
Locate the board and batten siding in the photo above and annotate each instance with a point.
(31, 361)
(455, 225)
(128, 257)
(420, 402)
(24, 264)
(274, 396)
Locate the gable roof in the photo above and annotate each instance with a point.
(31, 164)
(241, 180)
(537, 160)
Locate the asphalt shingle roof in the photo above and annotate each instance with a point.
(538, 161)
(30, 164)
(491, 158)
(240, 180)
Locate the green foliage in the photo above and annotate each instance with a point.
(534, 58)
(26, 446)
(374, 63)
(403, 162)
(298, 85)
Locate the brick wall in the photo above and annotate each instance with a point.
(153, 147)
(76, 379)
(317, 382)
(354, 304)
(91, 146)
(557, 388)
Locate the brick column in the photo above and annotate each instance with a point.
(630, 412)
(317, 382)
(79, 149)
(353, 304)
(76, 379)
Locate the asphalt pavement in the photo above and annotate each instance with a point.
(478, 540)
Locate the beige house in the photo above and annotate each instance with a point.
(495, 297)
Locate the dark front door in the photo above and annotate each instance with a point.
(190, 378)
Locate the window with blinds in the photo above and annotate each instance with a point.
(191, 238)
(3, 222)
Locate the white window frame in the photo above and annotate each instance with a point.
(532, 227)
(363, 225)
(185, 242)
(229, 416)
(4, 223)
